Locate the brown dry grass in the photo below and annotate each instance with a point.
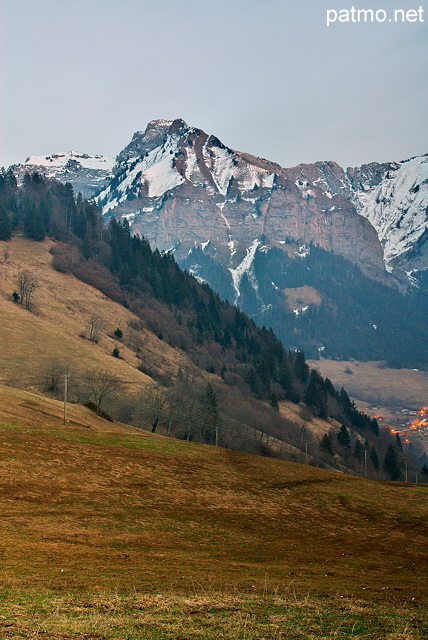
(299, 297)
(106, 528)
(297, 414)
(26, 409)
(83, 508)
(371, 382)
(63, 307)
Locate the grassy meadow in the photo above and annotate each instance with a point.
(109, 532)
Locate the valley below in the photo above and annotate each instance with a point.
(395, 397)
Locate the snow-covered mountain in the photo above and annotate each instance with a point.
(393, 197)
(88, 174)
(186, 191)
(397, 207)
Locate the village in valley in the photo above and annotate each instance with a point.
(411, 425)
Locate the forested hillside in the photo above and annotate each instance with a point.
(249, 373)
(353, 314)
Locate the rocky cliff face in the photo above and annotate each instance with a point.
(183, 190)
(88, 174)
(393, 196)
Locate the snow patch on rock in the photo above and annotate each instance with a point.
(243, 267)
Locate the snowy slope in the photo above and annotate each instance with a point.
(182, 188)
(60, 161)
(155, 171)
(169, 153)
(88, 174)
(398, 206)
(393, 196)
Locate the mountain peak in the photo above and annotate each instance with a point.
(166, 124)
(156, 127)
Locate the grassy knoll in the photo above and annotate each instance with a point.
(114, 533)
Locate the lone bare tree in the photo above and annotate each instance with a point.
(96, 325)
(26, 283)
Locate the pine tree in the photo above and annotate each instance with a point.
(316, 395)
(374, 426)
(34, 227)
(273, 401)
(285, 379)
(343, 437)
(251, 380)
(264, 373)
(327, 445)
(391, 464)
(209, 414)
(301, 369)
(5, 223)
(374, 458)
(358, 450)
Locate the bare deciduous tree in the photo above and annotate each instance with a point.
(26, 283)
(150, 407)
(53, 376)
(183, 399)
(54, 373)
(134, 339)
(101, 386)
(96, 325)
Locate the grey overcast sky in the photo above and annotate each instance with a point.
(265, 76)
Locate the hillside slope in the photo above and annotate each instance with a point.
(63, 308)
(50, 339)
(26, 409)
(84, 508)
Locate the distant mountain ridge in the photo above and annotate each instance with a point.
(392, 196)
(88, 174)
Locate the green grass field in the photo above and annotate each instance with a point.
(121, 534)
